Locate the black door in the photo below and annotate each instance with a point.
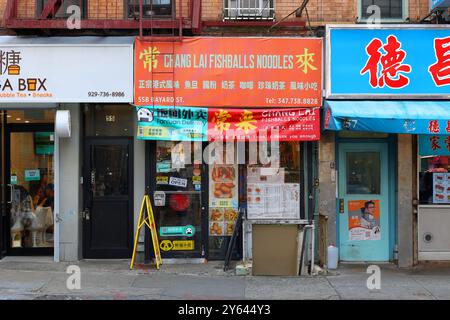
(108, 198)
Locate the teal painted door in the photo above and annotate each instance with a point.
(363, 202)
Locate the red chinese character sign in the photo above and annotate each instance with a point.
(288, 124)
(386, 68)
(440, 71)
(229, 72)
(434, 145)
(388, 63)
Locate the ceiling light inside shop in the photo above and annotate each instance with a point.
(18, 119)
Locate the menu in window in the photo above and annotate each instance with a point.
(223, 199)
(273, 201)
(441, 187)
(223, 186)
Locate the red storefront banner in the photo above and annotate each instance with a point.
(229, 72)
(287, 124)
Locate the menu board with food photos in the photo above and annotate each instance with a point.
(273, 201)
(223, 199)
(223, 186)
(441, 187)
(221, 221)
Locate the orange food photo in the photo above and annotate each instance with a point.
(230, 228)
(216, 215)
(215, 229)
(230, 214)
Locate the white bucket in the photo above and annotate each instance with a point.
(332, 257)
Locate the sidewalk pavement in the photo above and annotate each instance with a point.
(40, 278)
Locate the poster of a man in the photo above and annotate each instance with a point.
(364, 220)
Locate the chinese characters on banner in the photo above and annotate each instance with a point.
(392, 70)
(440, 70)
(172, 123)
(434, 145)
(389, 62)
(29, 72)
(229, 72)
(202, 124)
(301, 124)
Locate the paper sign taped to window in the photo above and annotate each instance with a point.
(178, 182)
(159, 198)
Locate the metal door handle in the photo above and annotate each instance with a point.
(11, 188)
(93, 177)
(86, 214)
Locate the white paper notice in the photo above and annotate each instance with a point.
(441, 187)
(273, 201)
(265, 175)
(159, 198)
(178, 182)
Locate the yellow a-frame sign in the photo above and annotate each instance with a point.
(146, 218)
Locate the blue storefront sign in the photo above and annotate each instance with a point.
(439, 4)
(434, 145)
(172, 123)
(388, 62)
(411, 117)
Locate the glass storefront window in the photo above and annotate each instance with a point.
(273, 189)
(434, 180)
(180, 188)
(172, 173)
(289, 161)
(32, 189)
(224, 195)
(109, 120)
(110, 178)
(363, 173)
(178, 216)
(31, 116)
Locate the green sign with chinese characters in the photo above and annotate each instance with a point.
(172, 123)
(173, 231)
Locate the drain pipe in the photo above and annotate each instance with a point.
(312, 227)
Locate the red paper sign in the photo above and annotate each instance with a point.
(290, 124)
(229, 72)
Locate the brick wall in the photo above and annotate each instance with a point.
(2, 10)
(418, 9)
(212, 10)
(106, 9)
(26, 9)
(320, 11)
(96, 9)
